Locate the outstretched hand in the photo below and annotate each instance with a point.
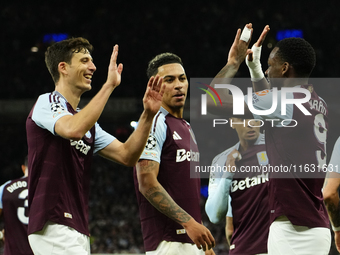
(115, 71)
(259, 41)
(153, 96)
(200, 235)
(239, 49)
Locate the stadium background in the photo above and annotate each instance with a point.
(200, 32)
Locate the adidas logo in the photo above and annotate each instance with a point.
(176, 136)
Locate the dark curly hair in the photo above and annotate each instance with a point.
(62, 52)
(298, 53)
(161, 60)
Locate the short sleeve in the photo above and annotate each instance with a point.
(48, 109)
(2, 192)
(230, 210)
(103, 139)
(154, 144)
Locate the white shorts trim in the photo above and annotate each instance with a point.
(175, 248)
(286, 238)
(59, 239)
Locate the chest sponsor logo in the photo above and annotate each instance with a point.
(249, 182)
(183, 155)
(81, 146)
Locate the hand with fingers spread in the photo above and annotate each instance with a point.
(239, 49)
(115, 71)
(199, 234)
(253, 59)
(152, 99)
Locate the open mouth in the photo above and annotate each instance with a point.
(179, 96)
(88, 76)
(251, 133)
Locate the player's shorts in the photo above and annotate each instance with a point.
(286, 238)
(59, 239)
(175, 248)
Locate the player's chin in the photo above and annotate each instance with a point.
(87, 87)
(179, 102)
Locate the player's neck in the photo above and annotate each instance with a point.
(72, 96)
(294, 81)
(176, 112)
(245, 144)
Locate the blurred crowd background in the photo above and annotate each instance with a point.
(200, 32)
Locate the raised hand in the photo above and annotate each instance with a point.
(258, 43)
(239, 49)
(115, 71)
(153, 96)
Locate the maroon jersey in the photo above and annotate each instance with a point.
(297, 193)
(15, 215)
(249, 202)
(59, 171)
(249, 198)
(172, 144)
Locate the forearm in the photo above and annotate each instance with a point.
(333, 207)
(75, 126)
(216, 206)
(161, 200)
(135, 144)
(224, 76)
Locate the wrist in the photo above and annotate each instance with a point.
(233, 63)
(335, 229)
(256, 74)
(148, 115)
(188, 223)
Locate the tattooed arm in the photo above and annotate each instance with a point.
(153, 191)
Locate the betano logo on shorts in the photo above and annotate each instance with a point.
(238, 102)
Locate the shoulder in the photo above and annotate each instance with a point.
(159, 125)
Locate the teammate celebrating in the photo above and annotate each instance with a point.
(299, 221)
(247, 190)
(13, 207)
(168, 199)
(62, 140)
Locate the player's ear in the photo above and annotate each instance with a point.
(285, 68)
(62, 67)
(23, 168)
